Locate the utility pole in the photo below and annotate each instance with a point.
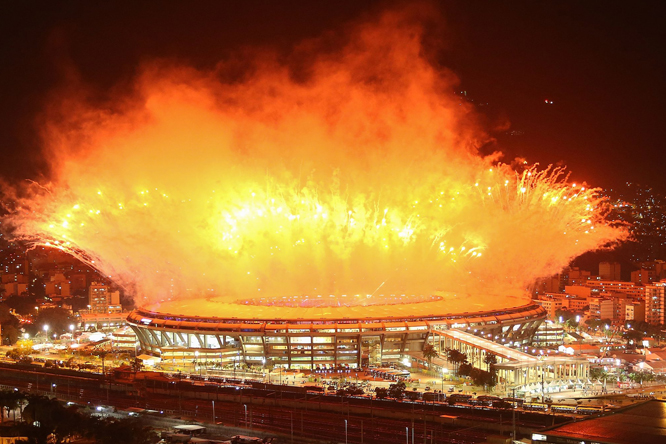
(513, 436)
(291, 416)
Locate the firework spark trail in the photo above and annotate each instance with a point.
(274, 186)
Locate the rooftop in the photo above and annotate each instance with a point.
(516, 358)
(644, 423)
(447, 303)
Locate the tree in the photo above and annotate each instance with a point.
(10, 325)
(482, 378)
(564, 315)
(429, 353)
(57, 319)
(58, 424)
(571, 323)
(47, 420)
(53, 418)
(24, 346)
(397, 390)
(9, 400)
(10, 334)
(22, 305)
(102, 354)
(458, 358)
(641, 376)
(465, 369)
(130, 431)
(633, 337)
(490, 359)
(381, 392)
(5, 314)
(349, 391)
(598, 373)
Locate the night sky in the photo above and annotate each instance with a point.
(601, 63)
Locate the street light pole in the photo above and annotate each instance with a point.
(514, 414)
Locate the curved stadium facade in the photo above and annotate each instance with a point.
(176, 332)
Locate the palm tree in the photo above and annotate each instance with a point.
(490, 359)
(429, 353)
(456, 357)
(102, 354)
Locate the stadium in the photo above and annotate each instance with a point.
(323, 332)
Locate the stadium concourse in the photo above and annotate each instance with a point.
(516, 370)
(345, 336)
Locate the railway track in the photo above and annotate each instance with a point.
(305, 419)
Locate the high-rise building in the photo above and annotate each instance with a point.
(628, 288)
(609, 271)
(642, 276)
(59, 285)
(660, 270)
(576, 276)
(15, 284)
(654, 302)
(614, 308)
(102, 300)
(635, 311)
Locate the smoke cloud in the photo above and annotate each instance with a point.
(351, 170)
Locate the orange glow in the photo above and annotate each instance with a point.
(360, 178)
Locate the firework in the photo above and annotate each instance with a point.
(360, 179)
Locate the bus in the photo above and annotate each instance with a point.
(459, 397)
(535, 406)
(487, 400)
(563, 408)
(518, 402)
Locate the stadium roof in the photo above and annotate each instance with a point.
(450, 303)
